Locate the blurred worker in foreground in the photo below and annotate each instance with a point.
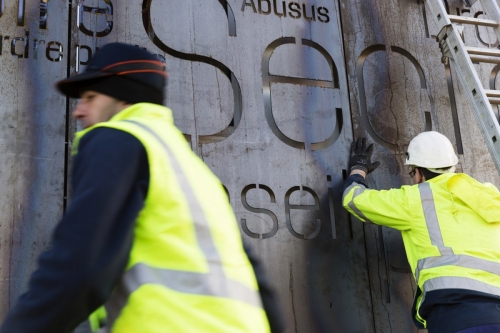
(450, 225)
(149, 232)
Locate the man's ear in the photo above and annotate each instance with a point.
(422, 177)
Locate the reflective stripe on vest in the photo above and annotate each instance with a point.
(351, 204)
(460, 260)
(452, 282)
(213, 283)
(431, 219)
(448, 258)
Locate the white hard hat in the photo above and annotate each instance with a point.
(431, 150)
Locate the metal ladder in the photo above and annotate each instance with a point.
(452, 46)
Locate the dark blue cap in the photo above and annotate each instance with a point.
(128, 67)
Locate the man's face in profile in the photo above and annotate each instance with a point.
(94, 107)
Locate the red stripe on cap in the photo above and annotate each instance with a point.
(143, 71)
(155, 62)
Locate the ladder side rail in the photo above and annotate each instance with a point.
(452, 45)
(473, 87)
(439, 13)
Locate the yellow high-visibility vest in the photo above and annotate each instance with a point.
(188, 271)
(450, 227)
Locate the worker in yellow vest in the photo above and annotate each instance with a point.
(149, 242)
(450, 225)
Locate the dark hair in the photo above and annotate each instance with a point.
(428, 174)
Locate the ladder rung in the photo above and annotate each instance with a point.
(472, 20)
(495, 101)
(483, 51)
(485, 59)
(492, 93)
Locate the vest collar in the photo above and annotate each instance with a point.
(144, 110)
(139, 110)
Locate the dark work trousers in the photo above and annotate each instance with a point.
(493, 328)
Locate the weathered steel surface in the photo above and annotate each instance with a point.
(398, 88)
(33, 56)
(263, 98)
(270, 102)
(290, 136)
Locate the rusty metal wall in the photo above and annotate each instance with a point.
(398, 88)
(259, 89)
(33, 56)
(270, 94)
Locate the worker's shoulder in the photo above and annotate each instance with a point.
(463, 182)
(108, 138)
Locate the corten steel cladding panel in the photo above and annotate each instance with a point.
(33, 56)
(265, 92)
(398, 88)
(259, 90)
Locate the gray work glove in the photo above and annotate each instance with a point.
(361, 156)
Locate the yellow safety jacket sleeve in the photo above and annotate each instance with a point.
(387, 207)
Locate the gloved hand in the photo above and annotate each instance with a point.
(361, 156)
